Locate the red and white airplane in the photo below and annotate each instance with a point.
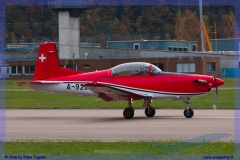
(128, 81)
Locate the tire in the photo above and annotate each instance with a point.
(151, 113)
(128, 113)
(189, 113)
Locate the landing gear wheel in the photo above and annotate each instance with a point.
(150, 112)
(128, 113)
(188, 113)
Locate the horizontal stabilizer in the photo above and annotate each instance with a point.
(22, 83)
(38, 82)
(46, 82)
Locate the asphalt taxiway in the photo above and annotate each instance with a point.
(109, 125)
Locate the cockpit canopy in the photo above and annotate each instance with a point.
(135, 69)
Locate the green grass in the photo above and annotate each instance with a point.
(10, 84)
(214, 148)
(229, 83)
(32, 99)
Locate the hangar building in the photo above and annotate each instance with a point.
(167, 45)
(91, 59)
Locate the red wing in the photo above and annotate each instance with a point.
(112, 93)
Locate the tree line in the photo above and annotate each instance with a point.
(99, 24)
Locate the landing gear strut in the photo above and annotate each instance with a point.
(188, 112)
(149, 111)
(128, 113)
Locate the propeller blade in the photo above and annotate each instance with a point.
(215, 98)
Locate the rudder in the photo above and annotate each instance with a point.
(47, 63)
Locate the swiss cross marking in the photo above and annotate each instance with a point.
(42, 58)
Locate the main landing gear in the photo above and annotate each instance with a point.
(128, 113)
(188, 112)
(149, 111)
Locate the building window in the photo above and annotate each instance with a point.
(186, 67)
(29, 69)
(16, 69)
(136, 46)
(159, 65)
(86, 66)
(19, 70)
(181, 49)
(194, 47)
(8, 70)
(211, 67)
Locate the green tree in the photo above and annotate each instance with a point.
(187, 26)
(226, 26)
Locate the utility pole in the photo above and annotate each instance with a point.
(201, 27)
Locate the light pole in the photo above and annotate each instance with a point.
(201, 27)
(73, 63)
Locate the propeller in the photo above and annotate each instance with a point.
(215, 95)
(215, 98)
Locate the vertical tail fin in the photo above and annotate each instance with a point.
(47, 63)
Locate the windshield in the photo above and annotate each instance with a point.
(155, 70)
(131, 69)
(135, 69)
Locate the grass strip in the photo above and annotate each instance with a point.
(38, 100)
(205, 148)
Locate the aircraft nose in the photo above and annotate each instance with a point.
(218, 82)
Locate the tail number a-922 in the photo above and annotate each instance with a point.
(75, 86)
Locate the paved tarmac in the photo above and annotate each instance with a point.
(109, 125)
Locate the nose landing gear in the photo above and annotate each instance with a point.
(188, 112)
